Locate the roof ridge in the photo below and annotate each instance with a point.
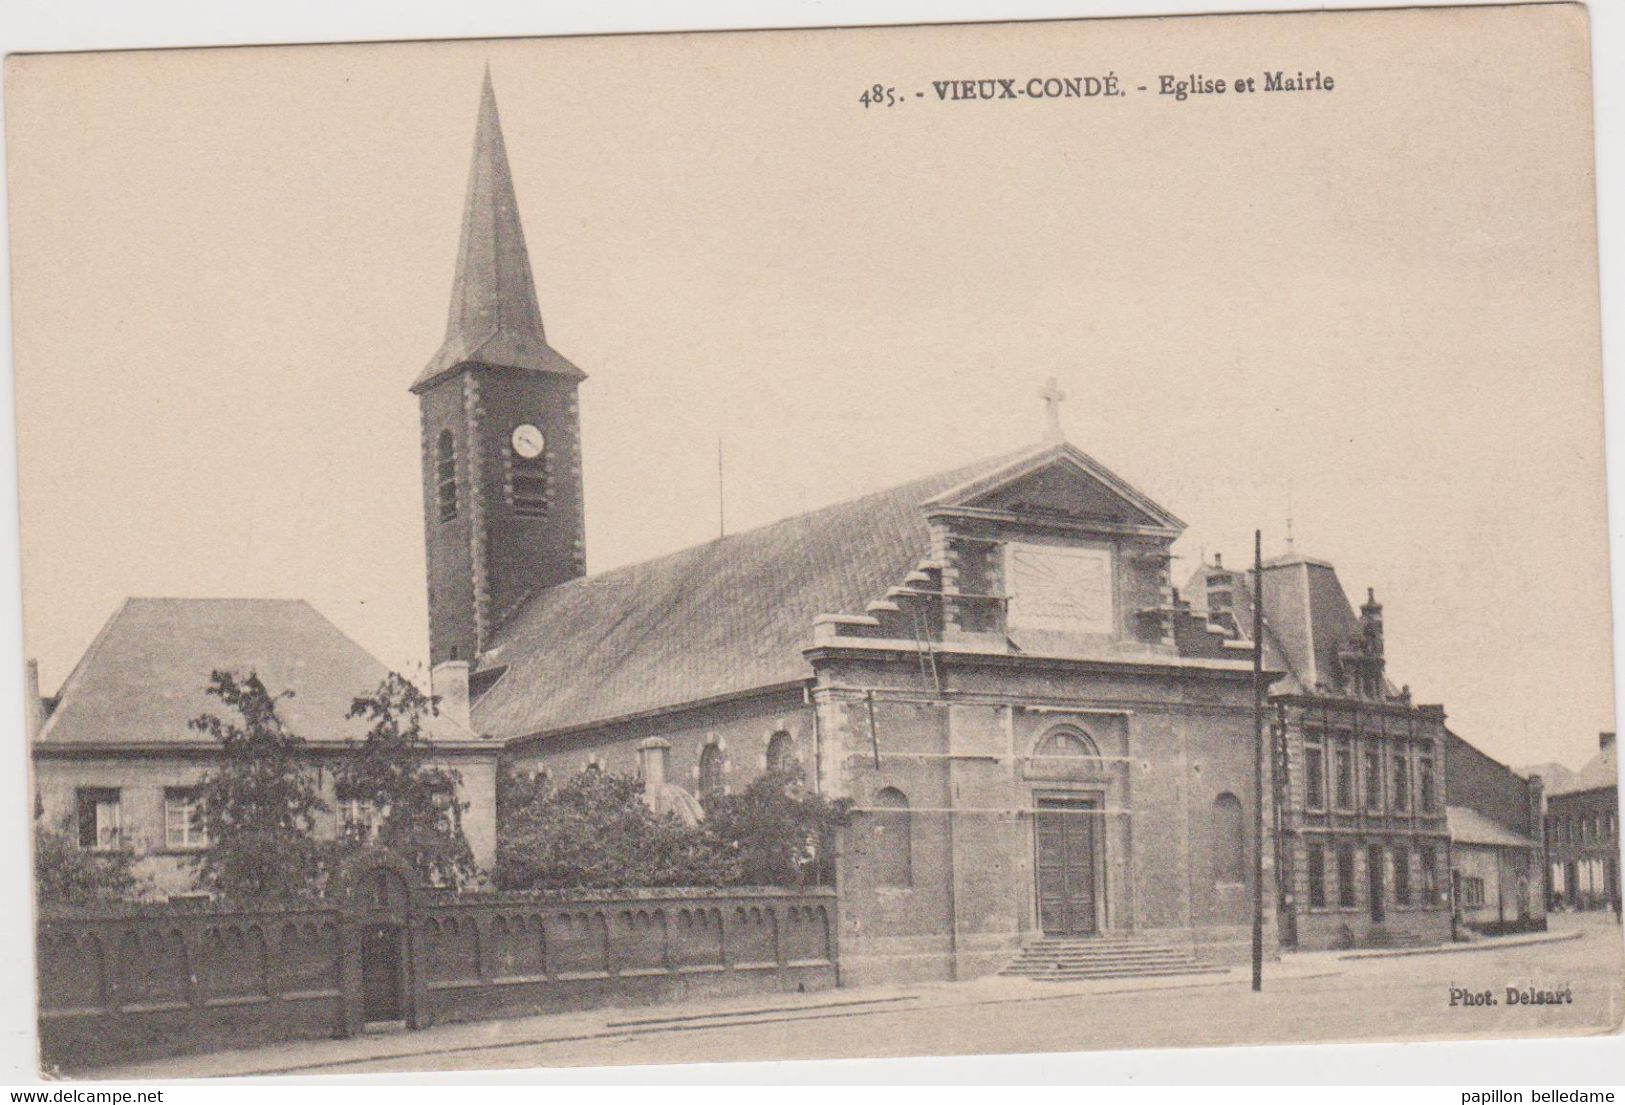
(788, 520)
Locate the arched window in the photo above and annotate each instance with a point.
(781, 751)
(1068, 743)
(1065, 752)
(893, 848)
(446, 476)
(1229, 840)
(710, 771)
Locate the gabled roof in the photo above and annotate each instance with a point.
(1062, 473)
(728, 616)
(1468, 826)
(494, 317)
(144, 677)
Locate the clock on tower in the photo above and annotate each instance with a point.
(501, 433)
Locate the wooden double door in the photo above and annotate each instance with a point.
(1065, 832)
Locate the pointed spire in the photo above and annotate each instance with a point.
(494, 318)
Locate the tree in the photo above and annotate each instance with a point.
(780, 833)
(67, 874)
(595, 831)
(260, 807)
(419, 814)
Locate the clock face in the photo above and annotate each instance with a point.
(528, 441)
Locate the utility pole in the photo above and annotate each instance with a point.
(1258, 760)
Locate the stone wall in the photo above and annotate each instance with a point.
(149, 982)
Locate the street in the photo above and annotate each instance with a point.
(1307, 998)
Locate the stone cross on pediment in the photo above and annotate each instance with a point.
(1053, 396)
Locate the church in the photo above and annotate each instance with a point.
(990, 663)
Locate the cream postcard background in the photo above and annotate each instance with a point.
(1379, 302)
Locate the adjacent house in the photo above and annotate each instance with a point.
(1582, 834)
(116, 764)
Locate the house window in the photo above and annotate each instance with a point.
(1345, 779)
(358, 819)
(1402, 876)
(1314, 765)
(1229, 840)
(781, 751)
(446, 476)
(1472, 892)
(101, 823)
(447, 813)
(1425, 770)
(1317, 876)
(183, 819)
(710, 771)
(1430, 875)
(1402, 784)
(1373, 780)
(1345, 876)
(527, 486)
(893, 849)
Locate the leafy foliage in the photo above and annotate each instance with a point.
(260, 806)
(419, 815)
(780, 833)
(595, 831)
(67, 874)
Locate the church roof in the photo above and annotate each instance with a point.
(728, 616)
(494, 317)
(144, 676)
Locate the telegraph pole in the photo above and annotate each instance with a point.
(1258, 760)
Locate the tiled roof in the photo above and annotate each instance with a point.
(144, 676)
(1468, 826)
(728, 616)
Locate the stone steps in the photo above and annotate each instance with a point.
(1054, 959)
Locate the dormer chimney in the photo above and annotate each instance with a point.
(448, 681)
(652, 756)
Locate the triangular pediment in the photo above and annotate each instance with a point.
(1059, 484)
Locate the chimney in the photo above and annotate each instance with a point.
(448, 681)
(1537, 808)
(652, 754)
(32, 702)
(1218, 560)
(1605, 741)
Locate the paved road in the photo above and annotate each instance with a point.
(1311, 998)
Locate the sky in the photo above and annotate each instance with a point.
(1377, 304)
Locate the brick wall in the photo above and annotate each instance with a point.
(150, 982)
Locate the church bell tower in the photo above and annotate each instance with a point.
(502, 505)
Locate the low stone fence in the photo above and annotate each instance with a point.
(152, 982)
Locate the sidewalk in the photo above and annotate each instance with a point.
(332, 1056)
(1483, 944)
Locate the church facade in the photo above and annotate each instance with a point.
(989, 663)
